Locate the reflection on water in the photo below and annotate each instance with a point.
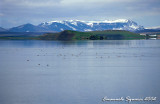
(78, 72)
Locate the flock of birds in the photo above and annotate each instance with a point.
(83, 55)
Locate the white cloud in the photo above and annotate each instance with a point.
(48, 3)
(31, 3)
(93, 1)
(37, 10)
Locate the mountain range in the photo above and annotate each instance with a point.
(2, 29)
(78, 25)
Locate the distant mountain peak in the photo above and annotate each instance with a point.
(157, 27)
(24, 25)
(2, 29)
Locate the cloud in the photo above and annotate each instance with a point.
(93, 1)
(35, 11)
(31, 3)
(1, 14)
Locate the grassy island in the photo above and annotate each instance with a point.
(93, 35)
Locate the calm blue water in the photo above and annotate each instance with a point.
(79, 72)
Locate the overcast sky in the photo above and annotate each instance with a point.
(17, 12)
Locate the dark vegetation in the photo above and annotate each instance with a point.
(94, 35)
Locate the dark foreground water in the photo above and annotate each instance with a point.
(79, 72)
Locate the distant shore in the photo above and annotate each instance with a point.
(76, 35)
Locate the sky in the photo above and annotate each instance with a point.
(17, 12)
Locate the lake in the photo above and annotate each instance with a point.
(79, 72)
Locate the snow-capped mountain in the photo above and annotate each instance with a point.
(78, 25)
(149, 29)
(157, 28)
